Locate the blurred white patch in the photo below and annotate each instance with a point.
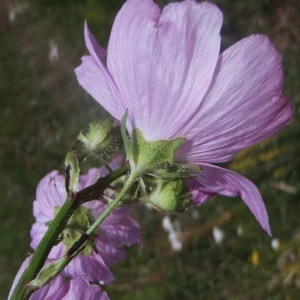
(218, 235)
(275, 244)
(174, 232)
(166, 223)
(149, 206)
(240, 231)
(16, 9)
(53, 55)
(195, 214)
(285, 187)
(12, 15)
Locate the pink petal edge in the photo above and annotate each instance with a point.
(243, 106)
(215, 180)
(163, 62)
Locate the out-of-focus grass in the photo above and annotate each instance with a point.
(42, 109)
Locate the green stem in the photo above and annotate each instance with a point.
(40, 255)
(94, 191)
(128, 184)
(47, 273)
(57, 266)
(79, 245)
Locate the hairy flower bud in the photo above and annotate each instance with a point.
(101, 140)
(169, 196)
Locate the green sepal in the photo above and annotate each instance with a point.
(72, 172)
(173, 171)
(157, 160)
(146, 156)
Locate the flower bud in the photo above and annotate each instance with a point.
(169, 196)
(101, 140)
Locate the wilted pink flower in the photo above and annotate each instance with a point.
(118, 229)
(166, 70)
(63, 288)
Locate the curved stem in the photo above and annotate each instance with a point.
(40, 255)
(128, 184)
(71, 204)
(47, 273)
(94, 191)
(80, 244)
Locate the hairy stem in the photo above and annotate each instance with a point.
(128, 184)
(71, 204)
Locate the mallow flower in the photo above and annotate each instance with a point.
(166, 70)
(64, 288)
(104, 248)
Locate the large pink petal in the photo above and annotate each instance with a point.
(123, 229)
(37, 232)
(96, 51)
(215, 180)
(54, 290)
(82, 289)
(163, 62)
(50, 193)
(91, 267)
(243, 106)
(94, 77)
(109, 249)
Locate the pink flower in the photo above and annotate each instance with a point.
(64, 288)
(118, 229)
(166, 70)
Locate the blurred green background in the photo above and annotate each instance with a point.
(42, 109)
